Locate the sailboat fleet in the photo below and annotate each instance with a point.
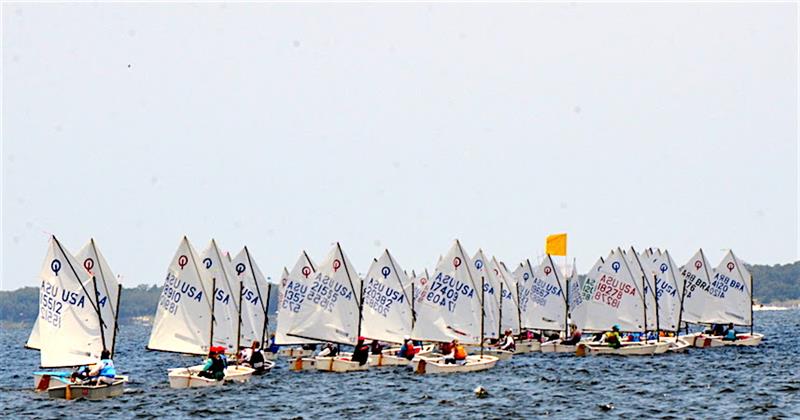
(212, 302)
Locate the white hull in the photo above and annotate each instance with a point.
(295, 352)
(527, 346)
(58, 379)
(556, 347)
(703, 341)
(180, 378)
(303, 364)
(89, 392)
(499, 354)
(627, 349)
(338, 364)
(389, 357)
(427, 365)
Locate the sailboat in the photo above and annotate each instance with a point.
(72, 321)
(510, 312)
(611, 295)
(548, 302)
(669, 295)
(452, 309)
(331, 310)
(524, 276)
(184, 321)
(254, 302)
(292, 293)
(492, 302)
(720, 296)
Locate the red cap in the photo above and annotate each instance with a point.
(361, 338)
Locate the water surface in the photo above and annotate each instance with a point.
(721, 383)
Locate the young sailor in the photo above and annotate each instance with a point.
(104, 371)
(507, 342)
(408, 349)
(376, 347)
(329, 350)
(574, 338)
(214, 368)
(612, 338)
(730, 333)
(253, 357)
(457, 353)
(360, 352)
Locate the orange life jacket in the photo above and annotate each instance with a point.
(460, 353)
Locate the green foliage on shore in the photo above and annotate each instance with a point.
(22, 305)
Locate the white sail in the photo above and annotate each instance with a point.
(547, 298)
(91, 261)
(509, 311)
(524, 275)
(699, 304)
(611, 295)
(580, 295)
(331, 308)
(734, 281)
(717, 296)
(451, 309)
(69, 322)
(386, 310)
(668, 290)
(254, 300)
(95, 264)
(226, 306)
(573, 291)
(292, 302)
(183, 319)
(491, 288)
(639, 271)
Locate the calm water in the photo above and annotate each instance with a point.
(728, 382)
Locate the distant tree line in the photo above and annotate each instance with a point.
(775, 283)
(22, 305)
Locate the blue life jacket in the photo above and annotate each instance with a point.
(730, 335)
(107, 369)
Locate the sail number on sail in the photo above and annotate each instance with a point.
(445, 291)
(541, 290)
(610, 290)
(717, 288)
(380, 297)
(174, 289)
(51, 307)
(325, 292)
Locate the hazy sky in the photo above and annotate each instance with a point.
(290, 126)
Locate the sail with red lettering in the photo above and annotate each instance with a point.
(182, 322)
(452, 307)
(611, 295)
(332, 309)
(386, 308)
(292, 299)
(699, 303)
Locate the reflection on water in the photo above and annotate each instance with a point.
(727, 382)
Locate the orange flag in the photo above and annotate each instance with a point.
(556, 244)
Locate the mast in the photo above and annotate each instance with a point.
(114, 308)
(751, 304)
(500, 312)
(93, 302)
(239, 323)
(531, 270)
(211, 336)
(655, 295)
(566, 309)
(519, 311)
(116, 319)
(102, 333)
(483, 312)
(644, 301)
(264, 303)
(265, 329)
(349, 279)
(413, 311)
